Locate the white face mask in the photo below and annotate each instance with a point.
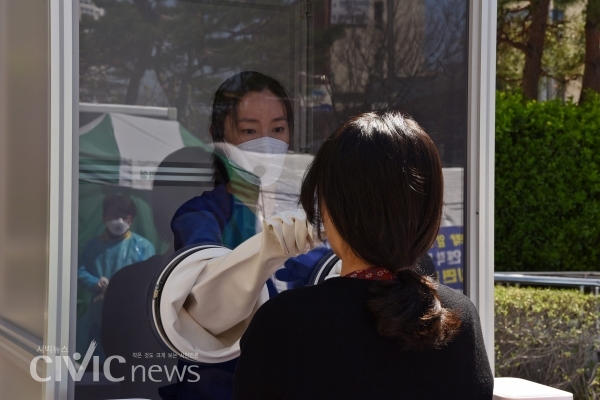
(259, 161)
(117, 227)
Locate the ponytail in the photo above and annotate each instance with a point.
(379, 176)
(409, 309)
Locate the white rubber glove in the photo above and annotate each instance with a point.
(210, 297)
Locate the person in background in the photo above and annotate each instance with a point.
(102, 257)
(381, 330)
(126, 328)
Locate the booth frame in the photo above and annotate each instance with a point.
(62, 246)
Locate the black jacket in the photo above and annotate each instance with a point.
(320, 342)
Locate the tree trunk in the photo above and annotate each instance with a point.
(535, 48)
(184, 88)
(391, 52)
(144, 60)
(143, 63)
(591, 72)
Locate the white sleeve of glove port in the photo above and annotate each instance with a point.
(210, 297)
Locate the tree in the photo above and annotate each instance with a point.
(409, 56)
(175, 54)
(526, 35)
(591, 73)
(534, 47)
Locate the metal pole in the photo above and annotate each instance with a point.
(597, 291)
(391, 67)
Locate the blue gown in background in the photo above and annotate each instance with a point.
(103, 257)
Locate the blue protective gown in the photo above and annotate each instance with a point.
(103, 257)
(219, 217)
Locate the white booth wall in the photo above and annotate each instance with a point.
(24, 191)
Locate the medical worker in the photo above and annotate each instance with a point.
(102, 257)
(251, 127)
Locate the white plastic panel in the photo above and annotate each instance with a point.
(517, 389)
(24, 176)
(16, 384)
(24, 192)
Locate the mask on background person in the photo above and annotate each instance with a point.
(117, 227)
(259, 161)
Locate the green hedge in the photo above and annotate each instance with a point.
(547, 185)
(548, 336)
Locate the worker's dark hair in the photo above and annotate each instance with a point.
(226, 101)
(379, 177)
(121, 202)
(228, 96)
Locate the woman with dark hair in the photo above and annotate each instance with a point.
(381, 330)
(252, 125)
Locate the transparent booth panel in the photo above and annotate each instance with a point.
(409, 56)
(154, 135)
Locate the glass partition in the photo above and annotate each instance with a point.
(157, 79)
(409, 56)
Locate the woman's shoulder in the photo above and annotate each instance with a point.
(329, 290)
(296, 306)
(340, 299)
(461, 304)
(451, 297)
